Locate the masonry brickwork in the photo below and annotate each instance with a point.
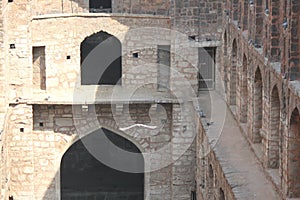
(44, 107)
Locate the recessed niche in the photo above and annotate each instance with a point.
(135, 55)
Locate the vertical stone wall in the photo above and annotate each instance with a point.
(19, 152)
(210, 178)
(198, 18)
(184, 166)
(278, 97)
(39, 135)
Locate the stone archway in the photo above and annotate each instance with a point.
(244, 93)
(294, 156)
(274, 138)
(257, 107)
(101, 59)
(96, 6)
(225, 62)
(233, 74)
(82, 176)
(222, 195)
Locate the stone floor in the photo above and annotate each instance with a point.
(239, 163)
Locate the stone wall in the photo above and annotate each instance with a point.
(40, 126)
(43, 133)
(199, 18)
(268, 113)
(210, 177)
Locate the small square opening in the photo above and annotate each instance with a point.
(41, 124)
(68, 57)
(192, 37)
(22, 130)
(12, 46)
(9, 1)
(135, 55)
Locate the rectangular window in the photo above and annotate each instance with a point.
(163, 71)
(100, 6)
(39, 68)
(206, 68)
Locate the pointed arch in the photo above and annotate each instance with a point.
(101, 61)
(294, 155)
(233, 73)
(84, 175)
(210, 182)
(274, 137)
(244, 91)
(222, 195)
(257, 107)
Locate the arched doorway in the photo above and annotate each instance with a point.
(257, 107)
(233, 75)
(274, 139)
(294, 155)
(101, 61)
(82, 176)
(222, 195)
(244, 92)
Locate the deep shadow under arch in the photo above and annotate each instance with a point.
(101, 60)
(258, 107)
(294, 156)
(274, 137)
(233, 74)
(244, 91)
(82, 176)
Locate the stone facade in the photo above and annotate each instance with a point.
(260, 46)
(44, 108)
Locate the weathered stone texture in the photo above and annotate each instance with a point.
(267, 48)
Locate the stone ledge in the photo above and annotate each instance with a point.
(97, 15)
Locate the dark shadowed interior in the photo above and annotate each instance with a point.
(101, 62)
(84, 177)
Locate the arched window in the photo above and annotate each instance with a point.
(101, 61)
(84, 175)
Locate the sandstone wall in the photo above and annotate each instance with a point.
(44, 132)
(258, 48)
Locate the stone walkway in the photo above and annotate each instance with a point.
(241, 167)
